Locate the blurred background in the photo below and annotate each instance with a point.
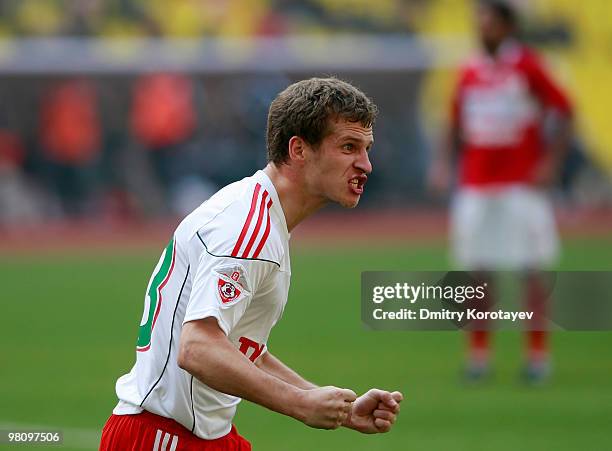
(118, 117)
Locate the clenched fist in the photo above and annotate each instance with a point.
(374, 412)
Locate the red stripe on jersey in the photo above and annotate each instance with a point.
(266, 232)
(245, 254)
(245, 227)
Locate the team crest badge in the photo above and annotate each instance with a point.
(230, 286)
(229, 290)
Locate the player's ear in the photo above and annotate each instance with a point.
(297, 148)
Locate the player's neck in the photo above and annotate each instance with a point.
(495, 49)
(296, 204)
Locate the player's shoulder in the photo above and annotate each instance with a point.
(470, 68)
(525, 52)
(472, 63)
(521, 56)
(237, 222)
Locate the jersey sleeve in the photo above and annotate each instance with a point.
(544, 87)
(223, 287)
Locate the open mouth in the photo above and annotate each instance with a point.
(357, 183)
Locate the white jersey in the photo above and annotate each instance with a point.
(228, 259)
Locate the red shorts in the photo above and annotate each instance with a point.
(150, 432)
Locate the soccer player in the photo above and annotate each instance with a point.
(221, 284)
(501, 217)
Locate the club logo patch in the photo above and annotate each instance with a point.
(230, 285)
(228, 291)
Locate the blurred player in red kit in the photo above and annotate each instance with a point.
(501, 217)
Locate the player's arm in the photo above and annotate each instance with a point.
(559, 120)
(207, 354)
(273, 366)
(373, 412)
(558, 140)
(441, 168)
(557, 147)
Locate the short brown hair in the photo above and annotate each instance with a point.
(304, 108)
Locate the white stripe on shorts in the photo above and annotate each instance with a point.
(174, 443)
(157, 439)
(165, 442)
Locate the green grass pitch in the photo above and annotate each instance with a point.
(68, 327)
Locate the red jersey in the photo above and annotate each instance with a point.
(499, 108)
